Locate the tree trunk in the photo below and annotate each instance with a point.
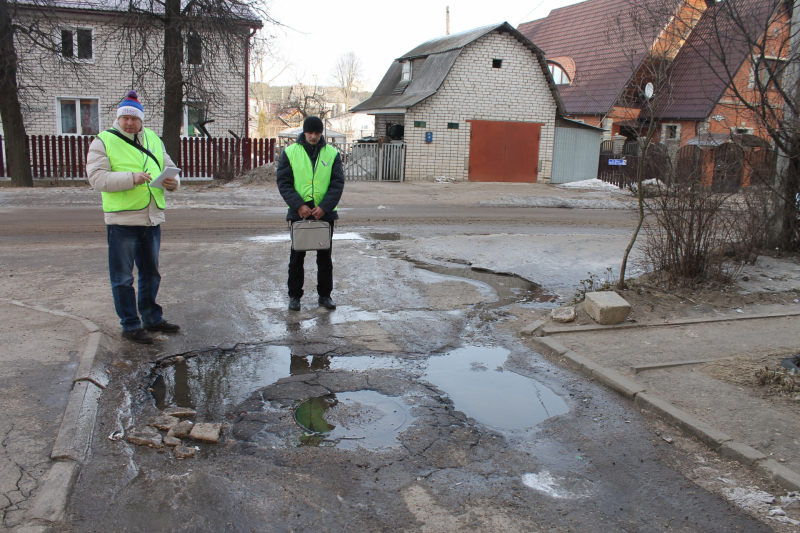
(173, 79)
(17, 152)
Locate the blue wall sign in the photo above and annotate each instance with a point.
(618, 162)
(428, 136)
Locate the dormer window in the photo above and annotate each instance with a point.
(406, 71)
(560, 77)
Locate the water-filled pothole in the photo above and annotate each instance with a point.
(348, 420)
(214, 382)
(475, 379)
(510, 288)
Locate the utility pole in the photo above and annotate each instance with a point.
(448, 20)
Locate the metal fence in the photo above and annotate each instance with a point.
(373, 161)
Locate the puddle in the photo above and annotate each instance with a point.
(213, 383)
(350, 420)
(510, 289)
(475, 380)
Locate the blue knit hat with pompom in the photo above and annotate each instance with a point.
(130, 106)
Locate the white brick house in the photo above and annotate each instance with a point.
(66, 102)
(476, 105)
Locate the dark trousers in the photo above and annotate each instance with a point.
(324, 272)
(140, 246)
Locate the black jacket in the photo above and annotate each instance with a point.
(285, 180)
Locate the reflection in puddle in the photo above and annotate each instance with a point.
(215, 382)
(510, 288)
(475, 380)
(350, 420)
(212, 383)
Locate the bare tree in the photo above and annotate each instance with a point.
(346, 73)
(751, 48)
(183, 44)
(31, 26)
(308, 100)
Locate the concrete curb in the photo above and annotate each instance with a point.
(74, 437)
(718, 441)
(542, 331)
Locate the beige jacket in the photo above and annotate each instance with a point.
(103, 178)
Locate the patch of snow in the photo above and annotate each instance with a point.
(284, 237)
(544, 482)
(749, 499)
(594, 183)
(555, 201)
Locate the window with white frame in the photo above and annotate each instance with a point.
(78, 116)
(193, 114)
(77, 43)
(769, 71)
(406, 71)
(560, 77)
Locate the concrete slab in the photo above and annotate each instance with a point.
(606, 307)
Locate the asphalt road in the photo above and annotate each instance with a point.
(453, 464)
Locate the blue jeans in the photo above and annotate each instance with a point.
(139, 245)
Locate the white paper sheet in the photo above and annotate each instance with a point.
(169, 172)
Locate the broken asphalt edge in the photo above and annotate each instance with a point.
(77, 425)
(718, 441)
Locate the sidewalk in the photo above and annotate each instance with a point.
(707, 371)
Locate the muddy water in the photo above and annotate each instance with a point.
(475, 379)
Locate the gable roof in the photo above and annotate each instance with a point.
(588, 34)
(439, 55)
(698, 76)
(242, 11)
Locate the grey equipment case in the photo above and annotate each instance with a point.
(309, 235)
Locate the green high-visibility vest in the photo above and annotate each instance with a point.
(126, 158)
(311, 184)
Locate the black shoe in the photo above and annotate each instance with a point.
(165, 326)
(294, 304)
(326, 302)
(139, 336)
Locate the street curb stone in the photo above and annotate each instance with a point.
(54, 497)
(618, 382)
(736, 451)
(722, 443)
(697, 428)
(77, 425)
(788, 479)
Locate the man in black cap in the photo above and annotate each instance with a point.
(311, 180)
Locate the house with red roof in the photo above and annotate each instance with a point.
(600, 51)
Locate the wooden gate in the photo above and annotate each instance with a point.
(504, 151)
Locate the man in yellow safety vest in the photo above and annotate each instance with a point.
(311, 180)
(121, 163)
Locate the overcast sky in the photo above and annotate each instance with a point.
(378, 32)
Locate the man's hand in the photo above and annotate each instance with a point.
(170, 184)
(305, 211)
(141, 177)
(318, 213)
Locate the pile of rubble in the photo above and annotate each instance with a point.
(171, 421)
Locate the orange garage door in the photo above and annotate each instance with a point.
(504, 151)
